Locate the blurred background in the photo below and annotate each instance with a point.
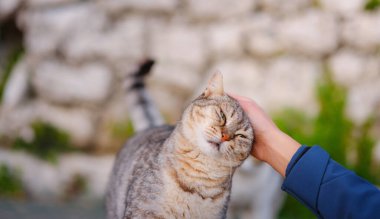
(313, 64)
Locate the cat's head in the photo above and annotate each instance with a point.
(217, 124)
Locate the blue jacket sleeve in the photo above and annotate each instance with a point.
(327, 188)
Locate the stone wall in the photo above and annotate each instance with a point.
(78, 52)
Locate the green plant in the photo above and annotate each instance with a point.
(372, 5)
(333, 130)
(123, 130)
(47, 144)
(10, 184)
(364, 165)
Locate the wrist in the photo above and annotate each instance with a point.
(280, 151)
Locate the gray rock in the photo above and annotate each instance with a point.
(43, 186)
(53, 180)
(175, 76)
(119, 6)
(46, 30)
(350, 67)
(171, 85)
(47, 3)
(8, 7)
(219, 8)
(94, 169)
(290, 83)
(123, 41)
(363, 100)
(361, 32)
(175, 43)
(277, 7)
(225, 40)
(342, 7)
(312, 33)
(244, 77)
(262, 37)
(16, 89)
(79, 123)
(61, 83)
(14, 122)
(284, 82)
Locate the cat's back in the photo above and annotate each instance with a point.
(137, 157)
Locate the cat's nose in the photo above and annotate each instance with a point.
(225, 137)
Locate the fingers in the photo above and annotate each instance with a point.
(239, 98)
(245, 102)
(255, 113)
(248, 105)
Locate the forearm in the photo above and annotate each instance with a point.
(280, 151)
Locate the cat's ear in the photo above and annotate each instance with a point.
(215, 86)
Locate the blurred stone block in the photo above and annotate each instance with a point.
(79, 123)
(8, 7)
(244, 77)
(175, 76)
(16, 89)
(48, 3)
(225, 40)
(118, 6)
(290, 83)
(15, 121)
(362, 31)
(124, 40)
(262, 37)
(363, 100)
(171, 85)
(350, 67)
(312, 33)
(277, 7)
(58, 82)
(178, 44)
(343, 7)
(285, 82)
(219, 8)
(50, 184)
(45, 30)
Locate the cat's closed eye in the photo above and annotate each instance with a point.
(240, 136)
(222, 117)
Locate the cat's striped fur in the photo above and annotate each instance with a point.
(183, 171)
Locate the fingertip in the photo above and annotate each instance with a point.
(238, 97)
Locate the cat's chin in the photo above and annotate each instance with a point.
(214, 144)
(210, 147)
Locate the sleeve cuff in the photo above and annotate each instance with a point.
(299, 153)
(304, 175)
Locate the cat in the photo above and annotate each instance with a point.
(181, 171)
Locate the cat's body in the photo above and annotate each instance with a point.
(148, 182)
(183, 171)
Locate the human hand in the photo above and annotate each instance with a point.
(271, 145)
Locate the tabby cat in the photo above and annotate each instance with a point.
(181, 171)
